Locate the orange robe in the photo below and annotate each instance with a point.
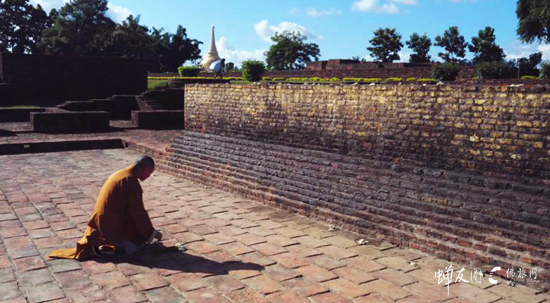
(119, 215)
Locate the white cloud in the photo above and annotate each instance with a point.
(115, 12)
(237, 56)
(118, 13)
(405, 2)
(404, 56)
(521, 50)
(312, 12)
(47, 5)
(266, 31)
(293, 11)
(373, 6)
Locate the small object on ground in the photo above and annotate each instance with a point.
(372, 84)
(332, 228)
(516, 85)
(413, 264)
(362, 241)
(356, 83)
(440, 83)
(512, 283)
(181, 246)
(424, 84)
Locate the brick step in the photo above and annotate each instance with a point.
(377, 230)
(427, 186)
(295, 188)
(479, 183)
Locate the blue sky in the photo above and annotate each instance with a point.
(341, 28)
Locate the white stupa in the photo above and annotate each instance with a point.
(212, 54)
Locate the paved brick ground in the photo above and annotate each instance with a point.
(239, 251)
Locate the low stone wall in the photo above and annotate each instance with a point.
(18, 114)
(490, 130)
(70, 122)
(461, 172)
(170, 99)
(474, 220)
(119, 107)
(158, 119)
(59, 146)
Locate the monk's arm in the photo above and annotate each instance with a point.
(139, 215)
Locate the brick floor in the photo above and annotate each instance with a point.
(239, 250)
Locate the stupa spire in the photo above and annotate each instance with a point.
(212, 54)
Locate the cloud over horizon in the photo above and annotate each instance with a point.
(266, 31)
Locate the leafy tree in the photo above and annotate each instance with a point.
(131, 40)
(385, 45)
(81, 29)
(230, 67)
(534, 20)
(484, 47)
(290, 52)
(454, 45)
(358, 58)
(21, 26)
(527, 66)
(173, 50)
(421, 46)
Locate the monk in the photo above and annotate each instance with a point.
(120, 222)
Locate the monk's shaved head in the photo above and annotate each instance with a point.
(144, 162)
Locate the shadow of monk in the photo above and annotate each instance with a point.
(171, 261)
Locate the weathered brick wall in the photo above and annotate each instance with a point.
(495, 130)
(18, 114)
(55, 79)
(460, 172)
(70, 122)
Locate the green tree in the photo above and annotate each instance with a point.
(527, 66)
(290, 52)
(131, 40)
(385, 45)
(534, 20)
(421, 47)
(81, 29)
(358, 58)
(21, 26)
(173, 50)
(229, 66)
(484, 47)
(454, 45)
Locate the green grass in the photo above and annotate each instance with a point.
(157, 84)
(20, 107)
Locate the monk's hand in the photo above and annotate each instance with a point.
(159, 236)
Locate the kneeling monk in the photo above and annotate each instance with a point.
(119, 221)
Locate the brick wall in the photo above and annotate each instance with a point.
(55, 79)
(70, 122)
(497, 130)
(460, 172)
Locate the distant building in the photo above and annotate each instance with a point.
(347, 64)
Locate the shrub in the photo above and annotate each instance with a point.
(334, 79)
(394, 79)
(252, 70)
(529, 78)
(266, 78)
(493, 70)
(371, 79)
(411, 79)
(475, 78)
(278, 79)
(189, 71)
(545, 69)
(315, 79)
(445, 71)
(351, 79)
